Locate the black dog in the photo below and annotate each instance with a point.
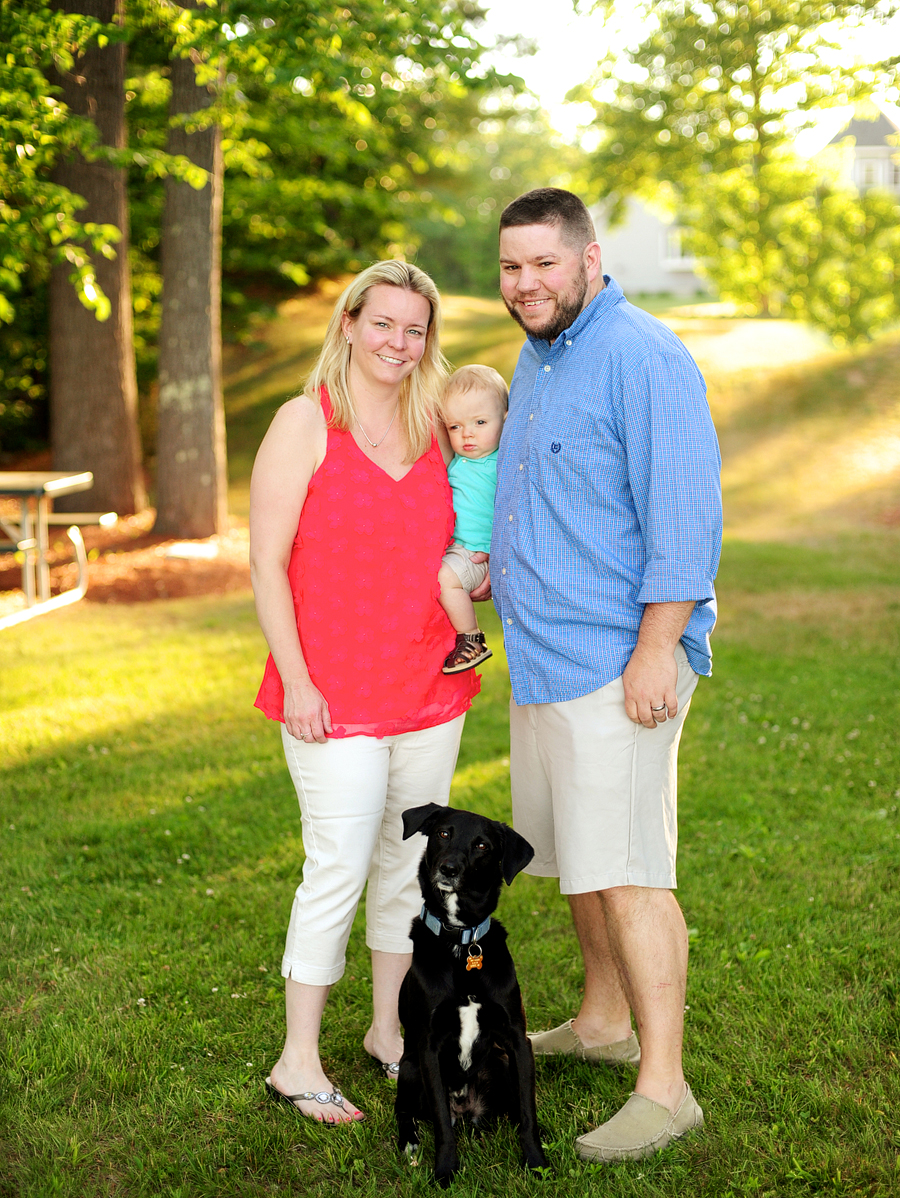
(465, 1052)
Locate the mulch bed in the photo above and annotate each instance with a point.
(128, 564)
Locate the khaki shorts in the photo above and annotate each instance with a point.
(594, 793)
(469, 573)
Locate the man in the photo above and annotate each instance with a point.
(607, 533)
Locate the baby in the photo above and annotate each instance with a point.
(473, 408)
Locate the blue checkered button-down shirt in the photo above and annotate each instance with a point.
(608, 498)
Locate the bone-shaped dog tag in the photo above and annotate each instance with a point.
(475, 957)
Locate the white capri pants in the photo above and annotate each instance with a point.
(353, 792)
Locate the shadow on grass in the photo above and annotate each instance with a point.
(147, 890)
(813, 448)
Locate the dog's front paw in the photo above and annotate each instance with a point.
(534, 1157)
(445, 1166)
(411, 1152)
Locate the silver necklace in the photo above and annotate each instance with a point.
(375, 444)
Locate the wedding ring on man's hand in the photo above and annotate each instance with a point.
(663, 708)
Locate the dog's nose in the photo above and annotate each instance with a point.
(449, 869)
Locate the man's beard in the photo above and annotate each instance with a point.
(568, 309)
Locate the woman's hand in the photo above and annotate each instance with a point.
(306, 714)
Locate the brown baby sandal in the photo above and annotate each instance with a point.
(469, 651)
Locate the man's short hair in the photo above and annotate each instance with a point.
(552, 206)
(467, 378)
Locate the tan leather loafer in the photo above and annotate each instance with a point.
(641, 1128)
(564, 1041)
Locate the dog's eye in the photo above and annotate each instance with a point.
(480, 845)
(444, 834)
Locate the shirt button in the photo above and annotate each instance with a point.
(503, 571)
(546, 370)
(510, 519)
(521, 467)
(509, 621)
(531, 417)
(568, 343)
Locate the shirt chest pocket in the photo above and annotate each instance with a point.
(569, 444)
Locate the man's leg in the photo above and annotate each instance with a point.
(604, 1015)
(648, 942)
(634, 944)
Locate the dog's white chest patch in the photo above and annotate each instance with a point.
(468, 1032)
(451, 906)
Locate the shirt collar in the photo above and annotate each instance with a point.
(597, 309)
(486, 458)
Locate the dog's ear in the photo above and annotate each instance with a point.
(419, 819)
(517, 852)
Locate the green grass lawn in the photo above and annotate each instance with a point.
(150, 841)
(151, 847)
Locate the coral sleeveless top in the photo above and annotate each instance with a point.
(363, 574)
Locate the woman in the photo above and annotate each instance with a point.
(350, 513)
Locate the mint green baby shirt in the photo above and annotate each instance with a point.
(473, 482)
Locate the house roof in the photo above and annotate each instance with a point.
(868, 133)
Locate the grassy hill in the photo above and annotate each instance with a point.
(810, 435)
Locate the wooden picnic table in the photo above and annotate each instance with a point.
(35, 491)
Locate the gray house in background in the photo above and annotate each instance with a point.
(875, 160)
(644, 253)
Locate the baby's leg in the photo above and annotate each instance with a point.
(456, 602)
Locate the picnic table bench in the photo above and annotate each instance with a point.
(35, 491)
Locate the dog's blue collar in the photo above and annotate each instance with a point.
(465, 935)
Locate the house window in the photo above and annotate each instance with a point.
(895, 174)
(868, 174)
(673, 252)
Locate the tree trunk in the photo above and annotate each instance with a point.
(93, 387)
(191, 478)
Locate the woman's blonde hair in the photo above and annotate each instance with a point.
(419, 392)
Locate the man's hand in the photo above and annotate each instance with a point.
(650, 679)
(483, 590)
(651, 675)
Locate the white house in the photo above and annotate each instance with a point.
(644, 254)
(875, 161)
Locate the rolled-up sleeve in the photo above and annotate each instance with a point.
(674, 473)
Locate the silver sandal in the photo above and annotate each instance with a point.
(391, 1070)
(323, 1098)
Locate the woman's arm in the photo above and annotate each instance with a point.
(291, 452)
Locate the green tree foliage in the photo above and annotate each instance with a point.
(39, 224)
(709, 106)
(39, 220)
(332, 114)
(356, 136)
(501, 146)
(787, 240)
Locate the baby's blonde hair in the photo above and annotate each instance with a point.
(467, 378)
